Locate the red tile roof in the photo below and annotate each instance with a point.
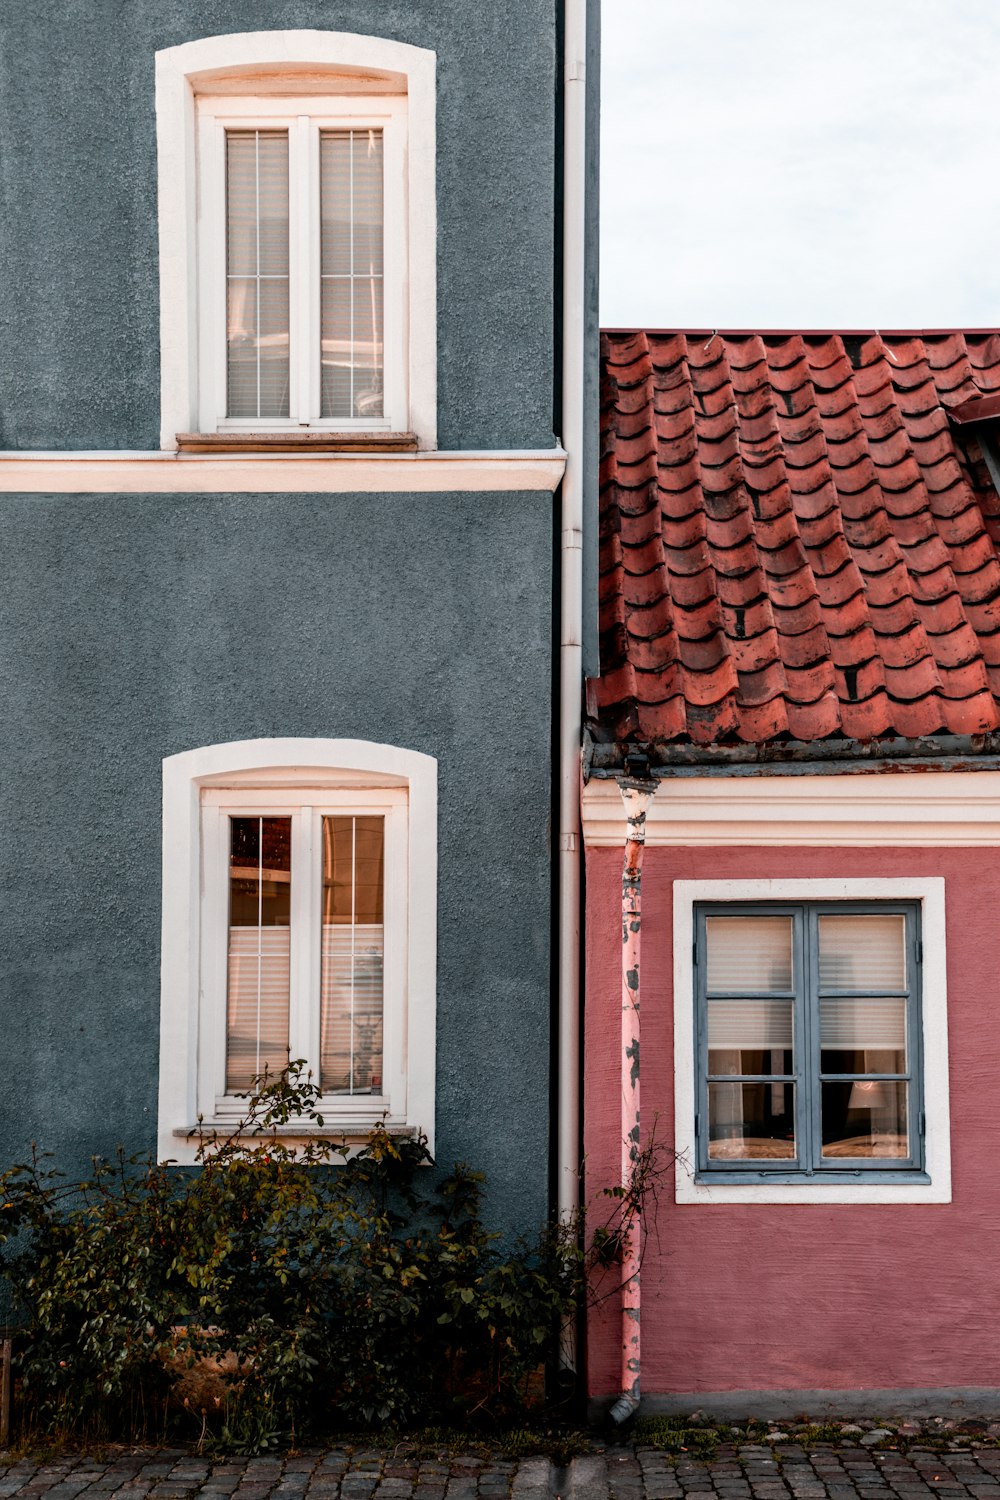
(794, 543)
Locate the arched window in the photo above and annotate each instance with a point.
(297, 240)
(299, 922)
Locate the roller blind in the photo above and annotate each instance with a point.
(749, 1024)
(860, 952)
(749, 953)
(856, 1023)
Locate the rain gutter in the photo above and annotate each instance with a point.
(571, 608)
(604, 762)
(636, 794)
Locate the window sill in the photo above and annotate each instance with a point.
(357, 1131)
(867, 1178)
(296, 442)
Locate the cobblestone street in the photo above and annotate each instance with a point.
(811, 1472)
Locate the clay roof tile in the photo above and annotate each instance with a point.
(793, 542)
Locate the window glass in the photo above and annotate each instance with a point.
(866, 1118)
(351, 267)
(750, 1036)
(749, 954)
(257, 320)
(861, 1034)
(751, 1121)
(822, 1078)
(260, 874)
(862, 952)
(351, 981)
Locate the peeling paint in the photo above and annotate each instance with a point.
(636, 796)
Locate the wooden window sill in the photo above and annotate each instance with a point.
(296, 442)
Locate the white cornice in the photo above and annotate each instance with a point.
(918, 809)
(124, 472)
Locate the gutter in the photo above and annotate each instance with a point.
(636, 795)
(568, 1160)
(604, 761)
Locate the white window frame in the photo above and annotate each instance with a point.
(201, 790)
(303, 118)
(339, 76)
(930, 892)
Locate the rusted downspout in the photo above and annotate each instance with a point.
(636, 794)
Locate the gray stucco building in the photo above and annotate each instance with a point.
(279, 505)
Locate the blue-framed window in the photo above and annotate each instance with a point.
(808, 1041)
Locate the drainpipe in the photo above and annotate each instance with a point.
(636, 794)
(571, 623)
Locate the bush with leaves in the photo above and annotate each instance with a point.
(331, 1288)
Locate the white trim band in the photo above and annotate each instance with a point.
(158, 473)
(932, 809)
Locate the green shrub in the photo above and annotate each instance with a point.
(286, 1293)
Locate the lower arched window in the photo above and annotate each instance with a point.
(299, 924)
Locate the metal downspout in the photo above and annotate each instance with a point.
(636, 796)
(571, 621)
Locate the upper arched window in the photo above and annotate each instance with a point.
(297, 240)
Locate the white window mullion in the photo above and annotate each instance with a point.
(312, 352)
(299, 256)
(215, 896)
(212, 284)
(303, 1024)
(397, 980)
(395, 293)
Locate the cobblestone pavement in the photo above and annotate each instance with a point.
(781, 1472)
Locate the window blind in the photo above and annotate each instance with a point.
(351, 967)
(861, 952)
(749, 1023)
(749, 953)
(259, 972)
(257, 331)
(856, 1023)
(351, 273)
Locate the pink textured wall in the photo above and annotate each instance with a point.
(803, 1296)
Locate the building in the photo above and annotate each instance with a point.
(280, 493)
(800, 694)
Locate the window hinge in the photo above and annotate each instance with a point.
(920, 952)
(697, 1127)
(694, 953)
(922, 1120)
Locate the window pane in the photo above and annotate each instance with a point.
(862, 953)
(749, 954)
(863, 1035)
(351, 255)
(750, 1036)
(260, 874)
(351, 986)
(257, 340)
(865, 1119)
(751, 1121)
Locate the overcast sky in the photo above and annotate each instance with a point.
(801, 163)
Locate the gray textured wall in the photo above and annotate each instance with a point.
(79, 300)
(134, 627)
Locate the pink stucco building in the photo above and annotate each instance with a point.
(800, 696)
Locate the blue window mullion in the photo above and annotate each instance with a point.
(809, 992)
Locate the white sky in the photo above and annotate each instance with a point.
(801, 163)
